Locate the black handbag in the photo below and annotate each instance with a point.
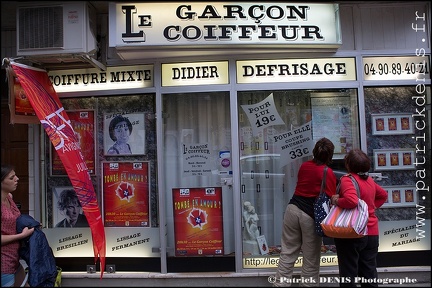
(321, 206)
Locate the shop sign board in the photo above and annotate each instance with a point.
(92, 79)
(396, 68)
(161, 24)
(295, 70)
(197, 73)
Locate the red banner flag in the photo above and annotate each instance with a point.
(54, 119)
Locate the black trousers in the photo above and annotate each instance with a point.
(357, 261)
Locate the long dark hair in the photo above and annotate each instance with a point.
(5, 170)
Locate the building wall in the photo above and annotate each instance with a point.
(379, 28)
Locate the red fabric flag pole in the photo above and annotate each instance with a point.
(46, 103)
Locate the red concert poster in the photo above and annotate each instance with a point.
(126, 194)
(198, 221)
(22, 103)
(83, 123)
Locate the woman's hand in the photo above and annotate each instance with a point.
(27, 232)
(6, 239)
(334, 199)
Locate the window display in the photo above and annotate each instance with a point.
(396, 128)
(128, 195)
(278, 130)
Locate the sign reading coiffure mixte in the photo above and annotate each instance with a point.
(223, 23)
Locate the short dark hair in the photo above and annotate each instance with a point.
(323, 151)
(5, 170)
(117, 120)
(67, 196)
(357, 161)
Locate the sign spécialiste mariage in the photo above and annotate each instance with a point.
(223, 23)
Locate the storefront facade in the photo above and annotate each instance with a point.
(224, 103)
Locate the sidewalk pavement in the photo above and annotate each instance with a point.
(418, 276)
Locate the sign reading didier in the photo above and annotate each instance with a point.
(174, 24)
(199, 73)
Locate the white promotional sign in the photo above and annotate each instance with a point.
(121, 242)
(405, 235)
(262, 115)
(196, 159)
(294, 144)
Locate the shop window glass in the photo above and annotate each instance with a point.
(398, 133)
(278, 130)
(91, 119)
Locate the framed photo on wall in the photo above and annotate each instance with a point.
(393, 159)
(392, 124)
(67, 210)
(124, 134)
(83, 123)
(400, 196)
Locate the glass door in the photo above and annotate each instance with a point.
(198, 181)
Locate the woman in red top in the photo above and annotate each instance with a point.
(298, 231)
(357, 256)
(11, 270)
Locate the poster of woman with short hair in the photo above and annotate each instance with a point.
(124, 134)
